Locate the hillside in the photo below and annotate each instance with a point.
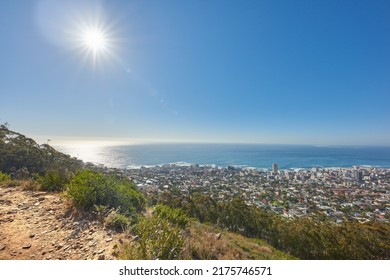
(36, 225)
(22, 156)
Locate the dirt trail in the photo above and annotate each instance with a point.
(42, 226)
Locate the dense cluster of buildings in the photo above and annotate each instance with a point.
(361, 193)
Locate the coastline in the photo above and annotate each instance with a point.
(259, 157)
(249, 168)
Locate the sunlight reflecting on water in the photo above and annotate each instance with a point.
(84, 151)
(91, 151)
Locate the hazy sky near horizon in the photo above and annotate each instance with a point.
(286, 72)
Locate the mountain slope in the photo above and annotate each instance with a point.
(20, 155)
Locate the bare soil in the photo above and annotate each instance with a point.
(43, 226)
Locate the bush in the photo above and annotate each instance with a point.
(117, 221)
(160, 236)
(174, 216)
(89, 188)
(53, 180)
(4, 178)
(83, 189)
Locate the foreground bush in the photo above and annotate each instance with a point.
(118, 221)
(88, 188)
(161, 236)
(54, 180)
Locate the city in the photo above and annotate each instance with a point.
(336, 194)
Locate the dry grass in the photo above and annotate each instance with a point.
(203, 243)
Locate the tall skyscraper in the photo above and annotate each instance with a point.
(275, 168)
(358, 175)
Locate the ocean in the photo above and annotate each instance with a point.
(223, 155)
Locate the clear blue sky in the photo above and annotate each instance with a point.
(301, 72)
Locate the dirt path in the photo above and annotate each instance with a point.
(42, 226)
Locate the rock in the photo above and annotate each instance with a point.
(101, 257)
(100, 251)
(41, 198)
(218, 235)
(26, 246)
(2, 247)
(109, 239)
(38, 194)
(31, 235)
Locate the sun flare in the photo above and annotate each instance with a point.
(94, 37)
(94, 40)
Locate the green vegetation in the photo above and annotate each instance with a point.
(174, 216)
(22, 156)
(54, 180)
(118, 221)
(4, 178)
(304, 238)
(89, 188)
(169, 234)
(161, 236)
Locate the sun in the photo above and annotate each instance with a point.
(94, 40)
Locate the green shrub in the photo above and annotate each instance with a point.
(53, 180)
(4, 178)
(117, 221)
(89, 188)
(127, 197)
(161, 236)
(83, 189)
(174, 216)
